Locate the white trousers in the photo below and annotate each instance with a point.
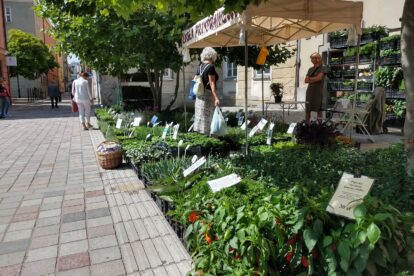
(84, 112)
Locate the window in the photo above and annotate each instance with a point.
(231, 70)
(7, 14)
(168, 74)
(258, 74)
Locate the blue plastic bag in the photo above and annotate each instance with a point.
(218, 124)
(191, 95)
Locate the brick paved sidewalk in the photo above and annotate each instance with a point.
(61, 214)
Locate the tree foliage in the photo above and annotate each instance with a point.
(33, 57)
(111, 44)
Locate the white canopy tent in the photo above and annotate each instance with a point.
(273, 22)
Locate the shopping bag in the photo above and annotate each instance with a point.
(74, 106)
(218, 124)
(191, 95)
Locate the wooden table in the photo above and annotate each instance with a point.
(285, 105)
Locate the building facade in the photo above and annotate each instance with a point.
(19, 14)
(4, 72)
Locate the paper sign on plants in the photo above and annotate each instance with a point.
(154, 119)
(137, 121)
(165, 131)
(224, 182)
(240, 121)
(291, 128)
(244, 125)
(262, 123)
(349, 194)
(118, 123)
(176, 127)
(194, 166)
(238, 114)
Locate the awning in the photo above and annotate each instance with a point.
(273, 22)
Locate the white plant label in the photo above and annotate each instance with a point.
(191, 128)
(240, 121)
(238, 114)
(118, 123)
(291, 128)
(147, 137)
(176, 127)
(137, 121)
(156, 124)
(180, 143)
(244, 124)
(349, 194)
(262, 123)
(269, 136)
(154, 119)
(187, 147)
(253, 131)
(132, 132)
(165, 131)
(271, 126)
(195, 157)
(224, 182)
(194, 166)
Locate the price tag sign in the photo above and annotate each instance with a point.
(244, 124)
(291, 128)
(194, 166)
(253, 131)
(137, 121)
(165, 131)
(349, 194)
(154, 119)
(238, 114)
(191, 128)
(176, 127)
(118, 123)
(224, 182)
(262, 123)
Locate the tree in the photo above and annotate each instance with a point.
(112, 45)
(33, 57)
(407, 62)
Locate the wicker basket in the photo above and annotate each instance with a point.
(109, 160)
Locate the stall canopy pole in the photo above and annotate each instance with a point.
(263, 91)
(355, 87)
(246, 63)
(184, 100)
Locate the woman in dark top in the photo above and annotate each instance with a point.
(204, 105)
(315, 78)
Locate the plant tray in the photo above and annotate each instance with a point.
(335, 62)
(334, 74)
(346, 87)
(391, 60)
(366, 38)
(389, 45)
(340, 42)
(365, 59)
(347, 60)
(365, 86)
(394, 94)
(350, 73)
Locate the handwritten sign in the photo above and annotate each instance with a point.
(176, 127)
(137, 121)
(349, 193)
(154, 119)
(118, 123)
(224, 182)
(291, 128)
(194, 166)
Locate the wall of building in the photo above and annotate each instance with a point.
(4, 73)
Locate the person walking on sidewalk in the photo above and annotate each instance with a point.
(5, 98)
(82, 96)
(53, 94)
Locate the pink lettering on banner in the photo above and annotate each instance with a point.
(208, 24)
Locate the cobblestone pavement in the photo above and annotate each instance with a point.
(61, 214)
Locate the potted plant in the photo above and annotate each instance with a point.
(277, 91)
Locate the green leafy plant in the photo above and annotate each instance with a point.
(277, 89)
(350, 52)
(369, 49)
(390, 38)
(399, 108)
(383, 76)
(389, 52)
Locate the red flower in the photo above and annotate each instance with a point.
(333, 247)
(289, 256)
(193, 217)
(292, 240)
(238, 257)
(208, 239)
(278, 221)
(231, 249)
(304, 262)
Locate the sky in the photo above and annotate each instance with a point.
(72, 58)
